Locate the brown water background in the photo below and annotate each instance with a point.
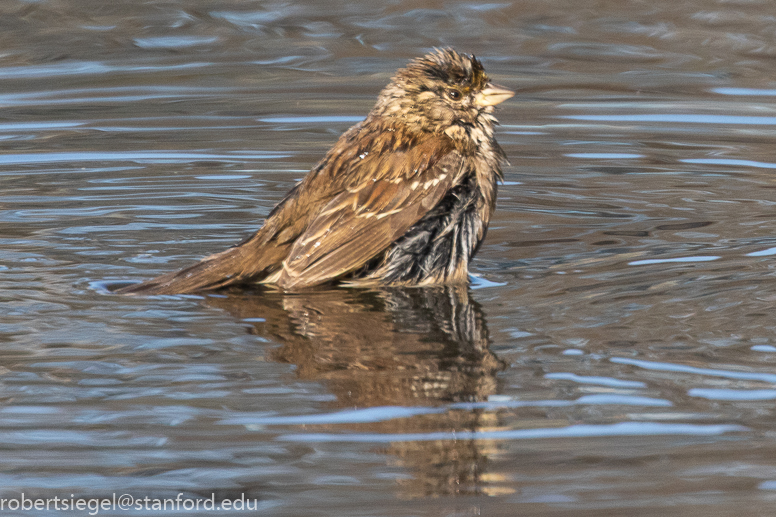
(615, 356)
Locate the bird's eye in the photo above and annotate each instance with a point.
(453, 94)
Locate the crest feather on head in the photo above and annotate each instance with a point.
(449, 66)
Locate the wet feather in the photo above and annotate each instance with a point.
(403, 197)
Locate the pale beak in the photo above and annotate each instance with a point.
(492, 95)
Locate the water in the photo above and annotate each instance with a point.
(615, 353)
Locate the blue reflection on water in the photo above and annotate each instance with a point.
(681, 368)
(679, 118)
(726, 394)
(706, 258)
(573, 431)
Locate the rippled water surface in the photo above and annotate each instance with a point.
(615, 355)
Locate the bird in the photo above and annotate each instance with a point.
(403, 198)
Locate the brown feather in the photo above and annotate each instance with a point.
(349, 232)
(236, 265)
(386, 190)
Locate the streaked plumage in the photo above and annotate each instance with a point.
(403, 197)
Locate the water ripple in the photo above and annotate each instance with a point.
(574, 431)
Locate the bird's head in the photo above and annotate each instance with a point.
(443, 91)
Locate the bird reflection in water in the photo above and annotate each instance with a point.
(391, 347)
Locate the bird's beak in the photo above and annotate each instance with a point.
(492, 95)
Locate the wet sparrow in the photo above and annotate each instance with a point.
(404, 197)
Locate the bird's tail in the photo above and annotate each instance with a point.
(250, 261)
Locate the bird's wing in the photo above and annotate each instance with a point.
(360, 222)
